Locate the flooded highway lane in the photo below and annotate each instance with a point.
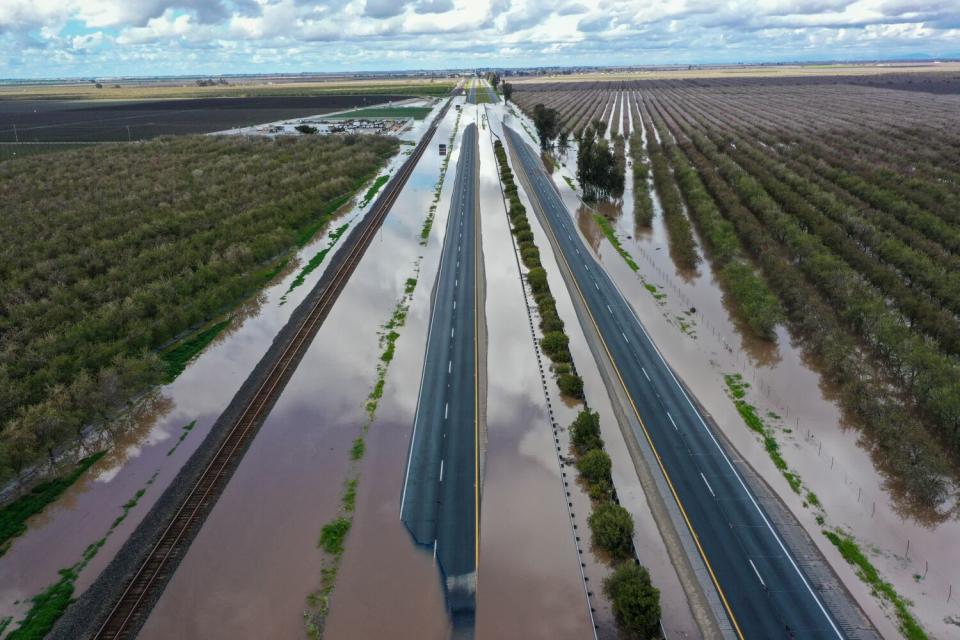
(439, 503)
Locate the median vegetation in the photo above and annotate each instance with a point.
(112, 253)
(635, 601)
(555, 342)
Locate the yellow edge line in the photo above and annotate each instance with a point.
(663, 469)
(476, 372)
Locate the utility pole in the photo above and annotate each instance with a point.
(128, 133)
(16, 136)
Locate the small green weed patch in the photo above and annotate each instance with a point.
(14, 516)
(184, 432)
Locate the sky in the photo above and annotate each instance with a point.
(104, 38)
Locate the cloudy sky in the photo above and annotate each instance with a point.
(60, 38)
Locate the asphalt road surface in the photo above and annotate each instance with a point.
(765, 593)
(440, 494)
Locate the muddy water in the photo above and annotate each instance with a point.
(677, 618)
(816, 441)
(57, 538)
(249, 570)
(386, 585)
(529, 580)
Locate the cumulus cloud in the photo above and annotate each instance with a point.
(383, 8)
(434, 6)
(99, 37)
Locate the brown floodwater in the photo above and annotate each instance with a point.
(817, 440)
(528, 579)
(56, 538)
(257, 552)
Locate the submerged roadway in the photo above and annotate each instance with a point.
(440, 503)
(764, 592)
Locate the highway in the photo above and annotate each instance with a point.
(764, 591)
(440, 503)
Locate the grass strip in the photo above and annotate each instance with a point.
(48, 605)
(608, 231)
(737, 390)
(417, 113)
(184, 432)
(315, 261)
(851, 552)
(611, 235)
(846, 544)
(432, 212)
(14, 516)
(178, 356)
(374, 188)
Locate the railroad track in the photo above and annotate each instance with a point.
(141, 591)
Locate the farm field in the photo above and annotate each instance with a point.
(417, 113)
(99, 121)
(113, 253)
(146, 89)
(836, 200)
(919, 73)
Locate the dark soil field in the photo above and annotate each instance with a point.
(105, 121)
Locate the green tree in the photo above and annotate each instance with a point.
(611, 527)
(594, 467)
(547, 123)
(563, 142)
(636, 602)
(554, 342)
(571, 385)
(537, 278)
(585, 432)
(598, 170)
(507, 91)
